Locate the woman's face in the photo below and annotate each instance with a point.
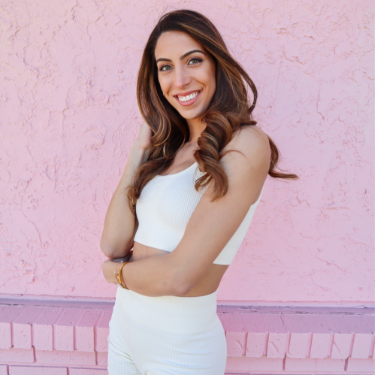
(186, 73)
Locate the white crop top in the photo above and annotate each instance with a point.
(164, 209)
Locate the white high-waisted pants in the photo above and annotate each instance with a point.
(166, 335)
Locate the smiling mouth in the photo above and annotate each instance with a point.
(188, 99)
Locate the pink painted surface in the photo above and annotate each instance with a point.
(318, 365)
(236, 344)
(84, 335)
(102, 359)
(248, 351)
(298, 345)
(7, 315)
(77, 371)
(64, 329)
(69, 117)
(43, 329)
(65, 357)
(16, 355)
(256, 345)
(102, 331)
(13, 370)
(22, 324)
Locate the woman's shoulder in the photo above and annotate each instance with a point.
(252, 142)
(249, 134)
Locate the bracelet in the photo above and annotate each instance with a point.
(120, 276)
(116, 272)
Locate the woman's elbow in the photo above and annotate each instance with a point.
(179, 287)
(106, 252)
(113, 252)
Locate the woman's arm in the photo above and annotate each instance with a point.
(117, 237)
(155, 279)
(110, 266)
(209, 228)
(152, 276)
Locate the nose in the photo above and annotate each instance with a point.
(182, 78)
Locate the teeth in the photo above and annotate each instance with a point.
(188, 97)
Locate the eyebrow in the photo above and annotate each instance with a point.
(182, 57)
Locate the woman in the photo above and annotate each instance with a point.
(193, 179)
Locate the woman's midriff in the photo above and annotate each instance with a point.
(209, 283)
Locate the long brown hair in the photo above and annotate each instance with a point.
(228, 111)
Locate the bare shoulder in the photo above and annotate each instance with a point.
(253, 143)
(249, 136)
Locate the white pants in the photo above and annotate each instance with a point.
(165, 335)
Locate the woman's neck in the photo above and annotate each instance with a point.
(196, 127)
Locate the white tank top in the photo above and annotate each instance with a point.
(164, 209)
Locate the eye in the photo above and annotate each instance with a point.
(195, 58)
(162, 68)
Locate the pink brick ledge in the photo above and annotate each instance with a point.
(37, 370)
(71, 338)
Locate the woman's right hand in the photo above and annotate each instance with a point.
(143, 139)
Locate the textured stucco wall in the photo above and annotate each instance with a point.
(69, 117)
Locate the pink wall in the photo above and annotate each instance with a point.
(69, 117)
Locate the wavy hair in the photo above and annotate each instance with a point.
(228, 111)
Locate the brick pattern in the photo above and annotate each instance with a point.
(318, 352)
(52, 340)
(60, 341)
